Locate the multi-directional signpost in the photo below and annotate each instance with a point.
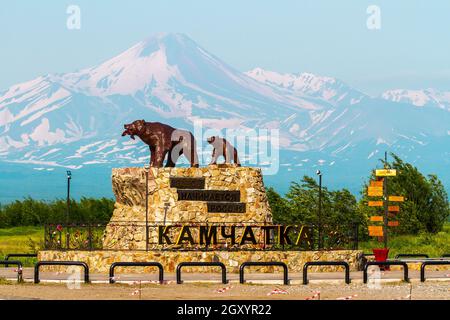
(377, 189)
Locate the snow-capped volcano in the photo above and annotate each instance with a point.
(75, 119)
(154, 71)
(167, 78)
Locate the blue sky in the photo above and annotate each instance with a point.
(411, 50)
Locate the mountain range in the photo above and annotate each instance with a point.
(74, 120)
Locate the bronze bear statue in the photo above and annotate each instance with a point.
(163, 139)
(221, 147)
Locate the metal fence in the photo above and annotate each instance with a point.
(267, 236)
(73, 236)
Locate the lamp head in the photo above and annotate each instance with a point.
(318, 173)
(69, 174)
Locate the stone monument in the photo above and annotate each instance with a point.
(215, 213)
(216, 194)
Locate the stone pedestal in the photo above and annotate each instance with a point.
(183, 195)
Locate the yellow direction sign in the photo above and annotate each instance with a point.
(375, 231)
(375, 203)
(385, 172)
(376, 218)
(375, 192)
(396, 198)
(376, 184)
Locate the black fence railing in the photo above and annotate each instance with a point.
(19, 255)
(326, 263)
(73, 236)
(225, 236)
(431, 263)
(264, 264)
(61, 263)
(202, 264)
(136, 264)
(15, 263)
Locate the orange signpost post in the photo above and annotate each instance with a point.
(375, 192)
(378, 183)
(376, 231)
(396, 198)
(375, 203)
(394, 209)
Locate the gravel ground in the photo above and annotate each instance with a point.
(386, 291)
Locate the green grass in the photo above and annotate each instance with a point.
(20, 240)
(432, 244)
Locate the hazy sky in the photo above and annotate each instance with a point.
(410, 50)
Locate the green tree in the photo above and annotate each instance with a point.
(339, 207)
(426, 206)
(280, 209)
(340, 212)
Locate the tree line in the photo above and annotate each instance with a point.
(31, 212)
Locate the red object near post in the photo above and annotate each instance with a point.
(381, 255)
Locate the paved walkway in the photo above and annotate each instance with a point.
(263, 278)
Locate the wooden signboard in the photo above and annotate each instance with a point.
(376, 218)
(378, 184)
(375, 203)
(396, 198)
(394, 209)
(375, 231)
(393, 223)
(385, 172)
(375, 192)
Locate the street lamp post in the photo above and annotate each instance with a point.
(69, 177)
(320, 208)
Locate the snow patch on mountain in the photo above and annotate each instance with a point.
(43, 135)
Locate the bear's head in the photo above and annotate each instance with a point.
(212, 139)
(134, 128)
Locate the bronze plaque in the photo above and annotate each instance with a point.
(226, 207)
(209, 195)
(187, 183)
